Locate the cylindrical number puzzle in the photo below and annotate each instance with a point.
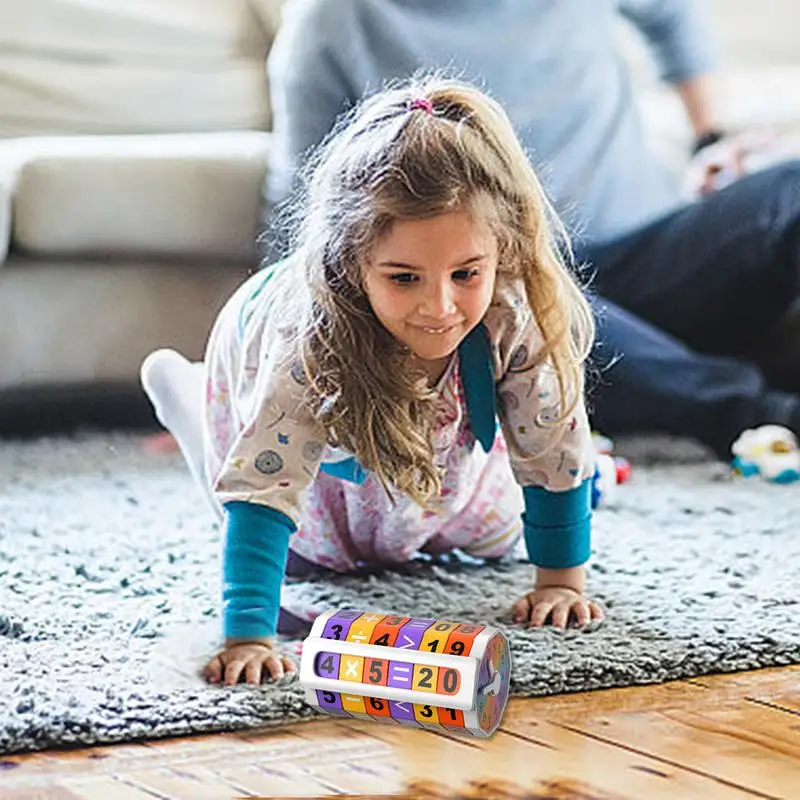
(411, 671)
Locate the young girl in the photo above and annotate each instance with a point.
(352, 390)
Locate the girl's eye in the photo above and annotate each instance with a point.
(403, 278)
(464, 275)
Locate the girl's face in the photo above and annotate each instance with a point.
(430, 282)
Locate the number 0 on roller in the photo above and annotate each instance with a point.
(407, 670)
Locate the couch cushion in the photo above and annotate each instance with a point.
(5, 216)
(132, 66)
(52, 96)
(185, 196)
(67, 323)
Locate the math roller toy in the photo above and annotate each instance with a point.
(429, 673)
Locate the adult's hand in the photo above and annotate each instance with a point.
(720, 164)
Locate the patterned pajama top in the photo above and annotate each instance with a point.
(265, 449)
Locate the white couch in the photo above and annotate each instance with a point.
(135, 151)
(131, 168)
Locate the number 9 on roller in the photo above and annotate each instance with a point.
(428, 673)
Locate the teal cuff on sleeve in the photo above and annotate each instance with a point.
(253, 565)
(347, 470)
(558, 526)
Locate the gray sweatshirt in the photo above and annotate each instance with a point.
(551, 63)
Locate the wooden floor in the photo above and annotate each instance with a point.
(731, 737)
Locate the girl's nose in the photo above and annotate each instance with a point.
(439, 302)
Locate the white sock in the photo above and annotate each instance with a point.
(175, 387)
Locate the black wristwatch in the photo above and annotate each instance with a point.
(707, 139)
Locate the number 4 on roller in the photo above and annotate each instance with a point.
(385, 632)
(407, 671)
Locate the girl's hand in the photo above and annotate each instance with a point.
(559, 604)
(248, 661)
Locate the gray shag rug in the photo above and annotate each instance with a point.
(109, 571)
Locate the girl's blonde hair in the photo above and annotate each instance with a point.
(414, 151)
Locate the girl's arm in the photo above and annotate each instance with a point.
(558, 525)
(553, 460)
(255, 550)
(273, 459)
(254, 563)
(557, 528)
(571, 578)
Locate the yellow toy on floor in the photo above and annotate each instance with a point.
(770, 451)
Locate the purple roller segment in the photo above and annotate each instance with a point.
(410, 635)
(400, 675)
(402, 712)
(333, 673)
(348, 613)
(331, 706)
(339, 624)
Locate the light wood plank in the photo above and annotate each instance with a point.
(677, 694)
(776, 680)
(40, 793)
(127, 752)
(501, 789)
(771, 729)
(105, 787)
(708, 744)
(294, 765)
(557, 758)
(287, 780)
(352, 759)
(790, 703)
(171, 784)
(76, 760)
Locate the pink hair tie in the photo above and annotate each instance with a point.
(421, 103)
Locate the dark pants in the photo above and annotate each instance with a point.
(696, 335)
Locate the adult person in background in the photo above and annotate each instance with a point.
(694, 299)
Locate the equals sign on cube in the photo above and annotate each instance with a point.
(400, 674)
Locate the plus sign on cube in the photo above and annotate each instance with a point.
(407, 671)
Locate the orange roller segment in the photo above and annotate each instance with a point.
(385, 632)
(377, 707)
(451, 717)
(459, 642)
